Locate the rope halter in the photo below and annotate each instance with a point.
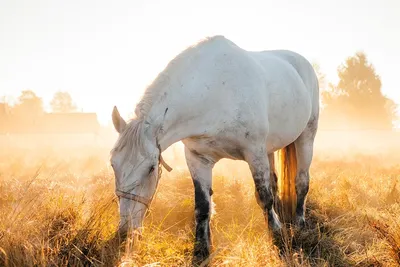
(143, 200)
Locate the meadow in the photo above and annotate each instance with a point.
(59, 209)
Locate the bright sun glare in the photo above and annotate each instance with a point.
(105, 55)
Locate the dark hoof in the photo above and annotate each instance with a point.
(201, 258)
(300, 222)
(196, 262)
(199, 262)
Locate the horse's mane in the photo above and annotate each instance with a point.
(131, 136)
(154, 89)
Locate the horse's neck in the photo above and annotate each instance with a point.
(174, 120)
(176, 113)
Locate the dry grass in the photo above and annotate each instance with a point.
(58, 212)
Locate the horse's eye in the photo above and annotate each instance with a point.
(151, 169)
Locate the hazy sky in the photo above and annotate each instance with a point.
(105, 52)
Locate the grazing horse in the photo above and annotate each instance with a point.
(221, 101)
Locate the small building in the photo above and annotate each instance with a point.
(69, 123)
(49, 123)
(49, 130)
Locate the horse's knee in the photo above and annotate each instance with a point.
(264, 197)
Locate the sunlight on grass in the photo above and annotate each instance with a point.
(65, 213)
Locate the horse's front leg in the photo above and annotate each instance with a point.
(201, 171)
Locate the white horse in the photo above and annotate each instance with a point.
(221, 101)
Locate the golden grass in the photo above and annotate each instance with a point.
(59, 212)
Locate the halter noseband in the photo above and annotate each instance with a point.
(145, 201)
(134, 197)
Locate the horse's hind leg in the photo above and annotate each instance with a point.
(260, 168)
(274, 183)
(273, 176)
(201, 171)
(304, 153)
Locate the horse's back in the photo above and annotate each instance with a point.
(268, 95)
(289, 62)
(292, 92)
(303, 68)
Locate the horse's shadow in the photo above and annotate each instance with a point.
(79, 252)
(313, 244)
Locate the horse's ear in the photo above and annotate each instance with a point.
(118, 121)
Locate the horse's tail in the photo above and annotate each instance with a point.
(287, 169)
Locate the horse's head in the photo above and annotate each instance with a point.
(136, 160)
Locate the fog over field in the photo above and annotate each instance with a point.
(58, 208)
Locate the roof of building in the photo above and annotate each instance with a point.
(61, 123)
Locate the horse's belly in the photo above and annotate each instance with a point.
(216, 148)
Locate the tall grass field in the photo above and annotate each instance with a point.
(59, 209)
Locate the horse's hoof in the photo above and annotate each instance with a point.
(276, 226)
(274, 222)
(300, 222)
(199, 261)
(200, 256)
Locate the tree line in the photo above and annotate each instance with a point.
(29, 103)
(355, 102)
(27, 115)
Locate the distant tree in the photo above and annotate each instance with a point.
(391, 109)
(320, 75)
(28, 104)
(5, 104)
(62, 102)
(322, 81)
(357, 101)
